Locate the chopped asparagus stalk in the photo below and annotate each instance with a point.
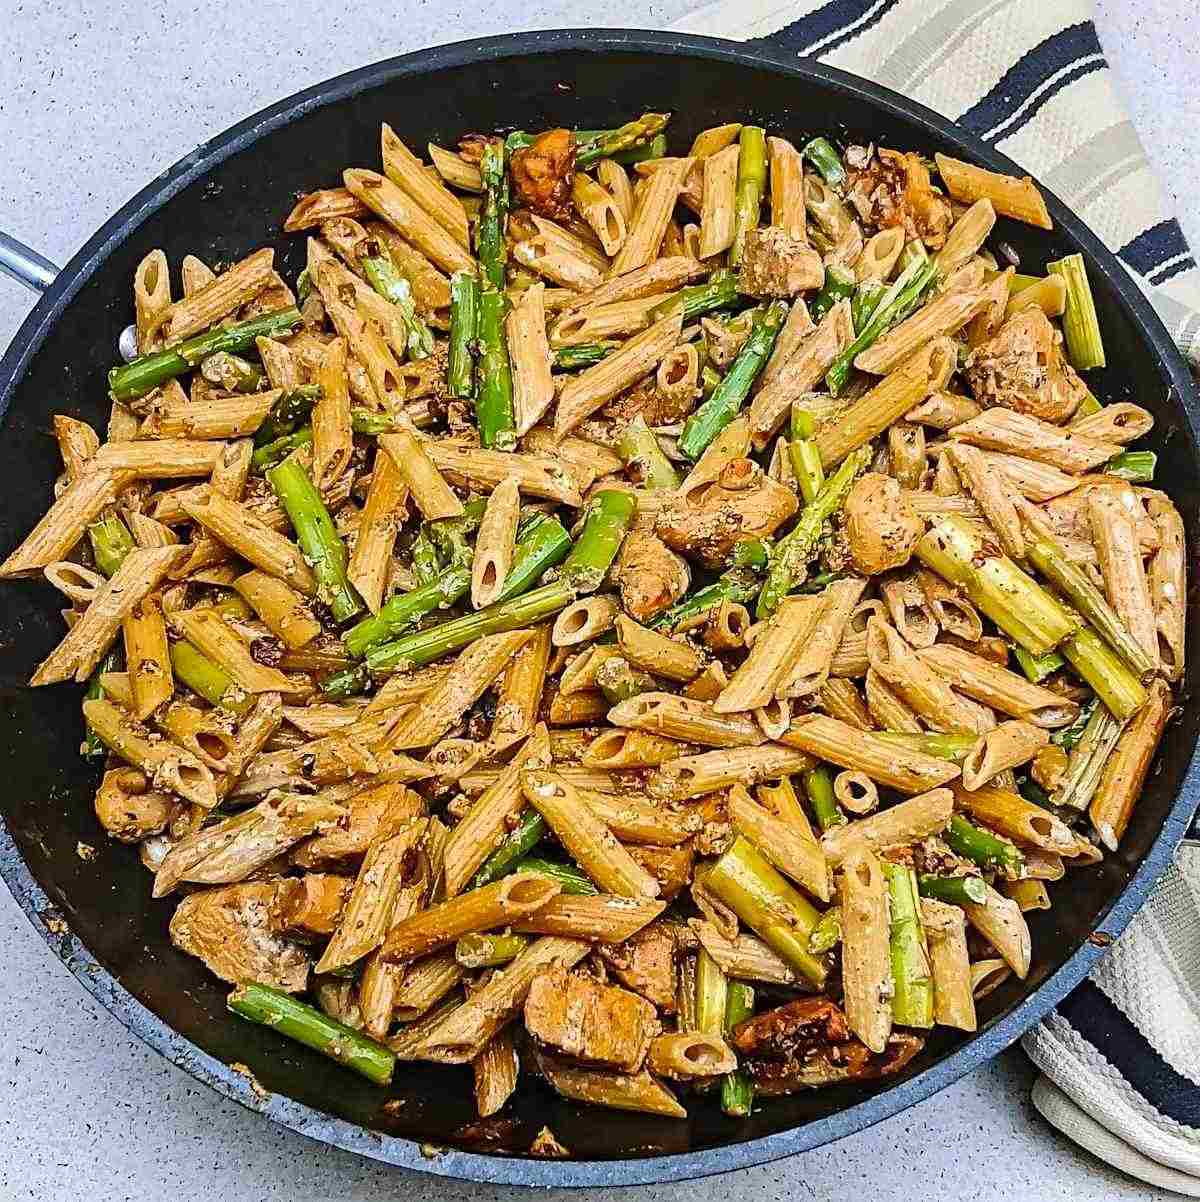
(956, 890)
(609, 514)
(818, 788)
(1081, 326)
(640, 452)
(822, 155)
(464, 325)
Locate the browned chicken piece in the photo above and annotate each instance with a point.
(742, 502)
(791, 1031)
(543, 173)
(888, 188)
(881, 526)
(1049, 767)
(646, 963)
(596, 1024)
(777, 266)
(230, 930)
(671, 867)
(655, 406)
(376, 813)
(310, 905)
(650, 576)
(129, 810)
(851, 1061)
(1023, 368)
(723, 339)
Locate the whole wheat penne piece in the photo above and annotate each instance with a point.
(195, 274)
(1011, 197)
(840, 699)
(224, 295)
(148, 657)
(588, 391)
(615, 179)
(1010, 745)
(906, 822)
(945, 932)
(519, 696)
(631, 749)
(454, 169)
(367, 915)
(426, 982)
(598, 322)
(772, 655)
(1000, 921)
(689, 1055)
(999, 688)
(786, 848)
(803, 369)
(1033, 480)
(151, 299)
(866, 957)
(887, 708)
(75, 581)
(716, 212)
(559, 262)
(474, 671)
(1127, 766)
(1115, 536)
(408, 219)
(77, 443)
(323, 205)
(787, 189)
(495, 543)
(169, 767)
(430, 492)
(910, 610)
(651, 216)
(63, 524)
(943, 410)
(283, 610)
(333, 440)
(685, 719)
(1120, 421)
(407, 172)
(86, 642)
(431, 288)
(496, 1069)
(149, 533)
(945, 314)
(600, 918)
(855, 792)
(732, 443)
(591, 844)
(634, 820)
(952, 613)
(965, 238)
(656, 653)
(460, 1035)
(809, 669)
(579, 239)
(600, 210)
(221, 417)
(744, 957)
(798, 326)
(529, 355)
(640, 1092)
(989, 487)
(473, 467)
(222, 644)
(158, 459)
(1168, 585)
(589, 458)
(907, 457)
(382, 516)
(927, 369)
(571, 709)
(999, 429)
(879, 255)
(585, 620)
(1007, 812)
(658, 278)
(712, 771)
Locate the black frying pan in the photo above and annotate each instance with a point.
(224, 199)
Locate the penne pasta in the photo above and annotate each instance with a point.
(953, 994)
(906, 822)
(1010, 197)
(866, 959)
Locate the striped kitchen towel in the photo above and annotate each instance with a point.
(1121, 1056)
(1026, 76)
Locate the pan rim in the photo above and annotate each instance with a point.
(452, 1163)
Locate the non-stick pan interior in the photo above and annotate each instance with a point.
(240, 205)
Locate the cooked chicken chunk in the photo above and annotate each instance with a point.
(1023, 368)
(776, 265)
(650, 575)
(310, 905)
(850, 1061)
(888, 188)
(881, 527)
(129, 810)
(596, 1024)
(543, 173)
(646, 963)
(375, 814)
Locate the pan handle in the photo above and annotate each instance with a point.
(25, 265)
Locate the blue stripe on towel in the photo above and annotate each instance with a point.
(1154, 247)
(1093, 1015)
(832, 18)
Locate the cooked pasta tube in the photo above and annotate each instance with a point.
(639, 1092)
(148, 657)
(519, 696)
(589, 841)
(382, 515)
(632, 749)
(1119, 422)
(776, 650)
(1010, 814)
(946, 314)
(840, 699)
(1168, 585)
(332, 438)
(573, 708)
(911, 613)
(597, 206)
(1028, 894)
(167, 765)
(989, 488)
(560, 263)
(809, 670)
(945, 932)
(599, 918)
(426, 982)
(856, 792)
(686, 1056)
(1125, 772)
(951, 610)
(597, 323)
(224, 295)
(906, 822)
(74, 581)
(495, 543)
(585, 620)
(615, 179)
(140, 573)
(1018, 434)
(906, 453)
(1000, 922)
(430, 492)
(283, 610)
(529, 357)
(650, 217)
(716, 213)
(866, 958)
(476, 468)
(794, 856)
(407, 172)
(151, 299)
(655, 652)
(745, 957)
(1115, 536)
(1010, 745)
(208, 631)
(1011, 197)
(684, 719)
(944, 410)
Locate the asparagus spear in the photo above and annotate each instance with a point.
(981, 846)
(486, 949)
(839, 285)
(285, 416)
(568, 358)
(1137, 467)
(957, 890)
(111, 542)
(489, 234)
(722, 407)
(384, 276)
(818, 788)
(348, 682)
(572, 879)
(366, 421)
(792, 552)
(751, 553)
(272, 453)
(521, 840)
(464, 324)
(232, 372)
(1038, 667)
(607, 143)
(827, 934)
(93, 746)
(1087, 759)
(425, 646)
(543, 544)
(406, 609)
(751, 183)
(718, 292)
(1081, 326)
(737, 1088)
(147, 372)
(640, 452)
(618, 680)
(494, 402)
(803, 453)
(654, 149)
(1069, 736)
(318, 539)
(710, 380)
(307, 1025)
(206, 678)
(737, 585)
(712, 993)
(821, 154)
(609, 514)
(1105, 672)
(865, 301)
(912, 1001)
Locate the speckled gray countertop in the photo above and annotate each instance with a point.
(95, 99)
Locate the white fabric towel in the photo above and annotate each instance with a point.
(1121, 1056)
